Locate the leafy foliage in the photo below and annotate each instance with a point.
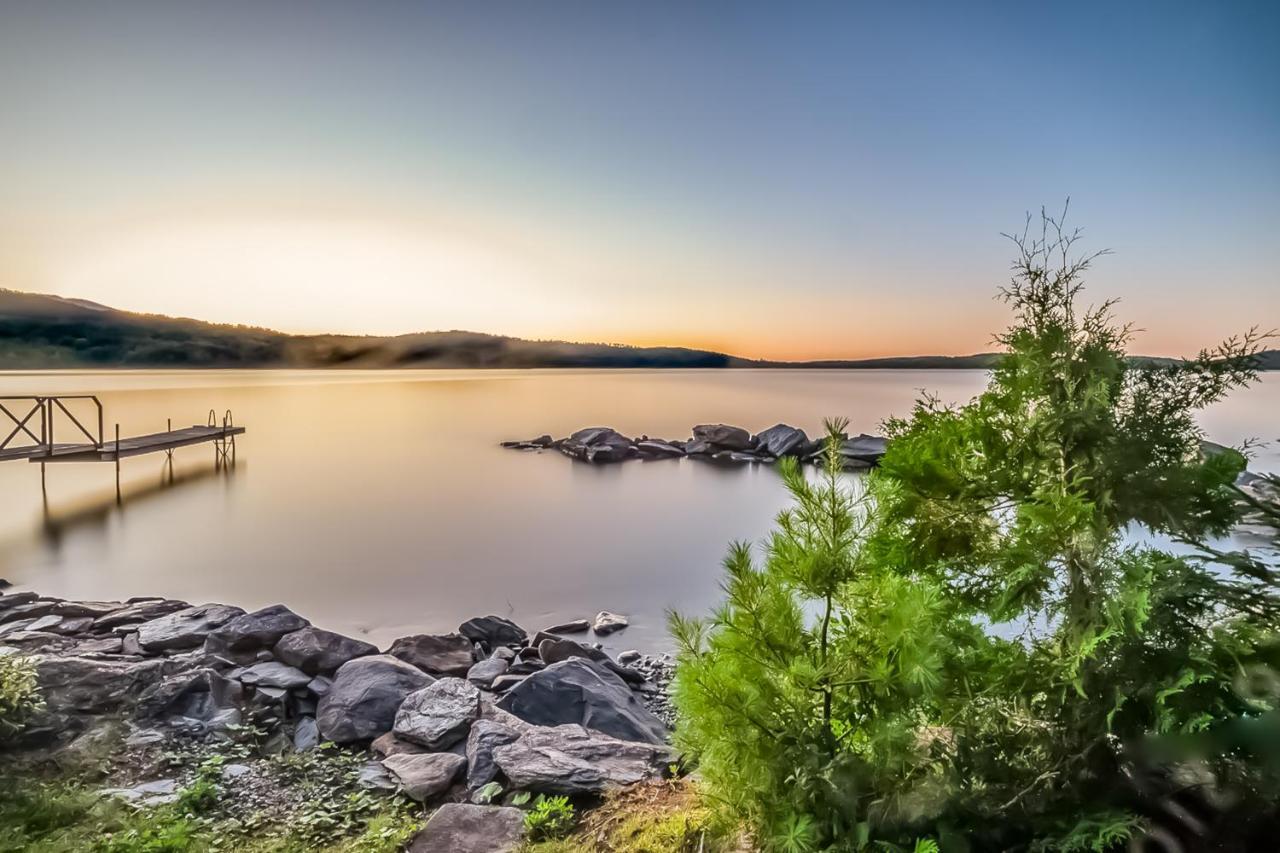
(975, 649)
(550, 818)
(19, 694)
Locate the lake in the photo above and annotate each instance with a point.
(379, 503)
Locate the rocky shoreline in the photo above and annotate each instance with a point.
(465, 718)
(720, 443)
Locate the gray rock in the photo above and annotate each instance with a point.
(260, 629)
(597, 444)
(200, 699)
(606, 622)
(554, 651)
(782, 440)
(483, 673)
(575, 626)
(274, 674)
(100, 646)
(486, 736)
(365, 696)
(66, 625)
(503, 683)
(630, 657)
(93, 609)
(571, 760)
(426, 775)
(653, 449)
(464, 828)
(184, 629)
(235, 771)
(317, 652)
(158, 793)
(388, 745)
(493, 631)
(141, 611)
(129, 645)
(319, 686)
(722, 436)
(439, 714)
(306, 735)
(373, 776)
(92, 686)
(34, 610)
(865, 448)
(582, 692)
(16, 599)
(438, 654)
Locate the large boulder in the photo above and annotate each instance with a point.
(556, 649)
(573, 761)
(782, 440)
(582, 692)
(492, 631)
(597, 444)
(438, 715)
(365, 696)
(260, 629)
(425, 775)
(93, 686)
(722, 436)
(464, 828)
(438, 654)
(185, 629)
(317, 651)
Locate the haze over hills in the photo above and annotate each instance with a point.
(39, 331)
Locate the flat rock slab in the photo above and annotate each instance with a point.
(573, 761)
(438, 715)
(274, 674)
(464, 828)
(425, 775)
(185, 629)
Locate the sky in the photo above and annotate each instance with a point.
(780, 180)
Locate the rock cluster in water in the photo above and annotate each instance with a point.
(441, 714)
(712, 442)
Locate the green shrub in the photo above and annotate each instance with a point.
(550, 818)
(19, 694)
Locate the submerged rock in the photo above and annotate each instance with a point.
(722, 436)
(606, 622)
(597, 444)
(782, 440)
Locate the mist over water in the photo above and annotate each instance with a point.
(379, 503)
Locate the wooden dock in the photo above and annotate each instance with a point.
(35, 418)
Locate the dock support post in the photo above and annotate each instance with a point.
(118, 501)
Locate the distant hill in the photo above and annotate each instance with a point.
(43, 332)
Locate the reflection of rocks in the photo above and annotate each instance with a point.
(718, 443)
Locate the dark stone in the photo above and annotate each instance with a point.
(483, 673)
(464, 828)
(659, 450)
(575, 626)
(492, 631)
(201, 697)
(438, 654)
(486, 736)
(138, 611)
(88, 685)
(185, 629)
(438, 715)
(722, 436)
(316, 651)
(558, 649)
(573, 761)
(607, 623)
(274, 674)
(782, 440)
(580, 691)
(94, 609)
(260, 629)
(365, 696)
(503, 683)
(34, 610)
(865, 448)
(597, 444)
(16, 599)
(425, 775)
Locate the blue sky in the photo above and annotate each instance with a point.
(791, 180)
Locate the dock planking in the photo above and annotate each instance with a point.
(137, 445)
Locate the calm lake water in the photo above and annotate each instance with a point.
(379, 503)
